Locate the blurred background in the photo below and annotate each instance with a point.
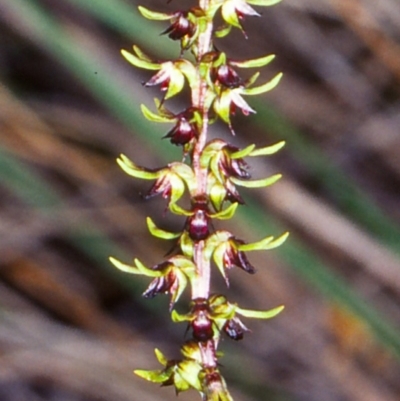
(72, 328)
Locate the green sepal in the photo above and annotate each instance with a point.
(176, 83)
(185, 265)
(153, 15)
(189, 371)
(154, 376)
(188, 70)
(251, 80)
(223, 31)
(218, 256)
(248, 150)
(153, 116)
(211, 149)
(191, 350)
(264, 88)
(221, 59)
(260, 314)
(256, 183)
(264, 244)
(186, 173)
(254, 63)
(176, 209)
(178, 318)
(229, 15)
(268, 150)
(161, 357)
(217, 193)
(214, 240)
(183, 281)
(214, 167)
(140, 62)
(146, 271)
(227, 213)
(263, 3)
(141, 54)
(180, 383)
(139, 268)
(135, 171)
(124, 267)
(222, 106)
(178, 188)
(186, 245)
(158, 232)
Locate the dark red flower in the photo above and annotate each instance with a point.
(199, 223)
(183, 132)
(235, 329)
(234, 257)
(164, 284)
(161, 186)
(232, 194)
(232, 167)
(227, 76)
(180, 27)
(202, 324)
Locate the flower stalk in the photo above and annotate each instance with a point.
(210, 173)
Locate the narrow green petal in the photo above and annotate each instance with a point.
(268, 150)
(158, 232)
(135, 171)
(137, 62)
(227, 213)
(223, 31)
(141, 54)
(146, 271)
(155, 376)
(248, 150)
(254, 63)
(161, 357)
(153, 15)
(256, 183)
(265, 244)
(124, 267)
(260, 314)
(180, 211)
(155, 117)
(263, 2)
(264, 88)
(178, 318)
